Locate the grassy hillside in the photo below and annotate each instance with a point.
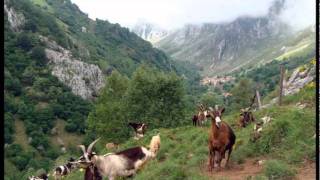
(286, 145)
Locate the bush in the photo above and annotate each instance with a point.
(76, 123)
(13, 85)
(275, 169)
(273, 136)
(10, 104)
(13, 150)
(52, 153)
(8, 127)
(24, 41)
(39, 55)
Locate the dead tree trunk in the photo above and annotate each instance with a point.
(258, 99)
(281, 84)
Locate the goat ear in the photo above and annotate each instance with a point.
(222, 110)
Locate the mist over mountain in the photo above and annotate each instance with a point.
(223, 47)
(149, 32)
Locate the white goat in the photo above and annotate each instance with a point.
(124, 163)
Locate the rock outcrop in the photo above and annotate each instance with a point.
(15, 19)
(84, 79)
(298, 79)
(149, 32)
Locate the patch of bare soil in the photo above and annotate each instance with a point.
(307, 171)
(251, 168)
(243, 171)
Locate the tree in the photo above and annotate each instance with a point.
(156, 98)
(108, 117)
(242, 93)
(28, 75)
(151, 96)
(24, 41)
(76, 123)
(210, 99)
(8, 128)
(39, 55)
(13, 85)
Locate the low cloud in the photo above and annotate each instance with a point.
(175, 13)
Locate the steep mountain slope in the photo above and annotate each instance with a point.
(56, 62)
(224, 47)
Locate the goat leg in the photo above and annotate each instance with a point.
(229, 153)
(211, 162)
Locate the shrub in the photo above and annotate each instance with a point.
(39, 55)
(275, 169)
(8, 127)
(24, 41)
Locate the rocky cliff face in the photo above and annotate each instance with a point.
(84, 79)
(16, 20)
(149, 32)
(296, 81)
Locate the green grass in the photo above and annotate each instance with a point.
(20, 137)
(70, 140)
(286, 142)
(43, 4)
(275, 169)
(295, 51)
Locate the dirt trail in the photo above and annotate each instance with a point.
(250, 168)
(236, 171)
(307, 171)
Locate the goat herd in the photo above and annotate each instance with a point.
(127, 162)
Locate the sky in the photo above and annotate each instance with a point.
(171, 14)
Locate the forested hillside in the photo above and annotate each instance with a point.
(56, 62)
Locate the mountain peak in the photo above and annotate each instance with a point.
(149, 31)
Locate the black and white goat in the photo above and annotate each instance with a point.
(139, 129)
(123, 163)
(65, 169)
(40, 177)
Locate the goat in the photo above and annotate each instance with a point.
(139, 129)
(65, 169)
(92, 173)
(221, 138)
(194, 120)
(123, 163)
(203, 114)
(258, 127)
(40, 177)
(246, 117)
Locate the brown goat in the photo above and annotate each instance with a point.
(246, 117)
(195, 120)
(221, 139)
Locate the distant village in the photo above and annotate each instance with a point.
(216, 80)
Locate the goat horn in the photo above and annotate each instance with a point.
(83, 148)
(91, 145)
(216, 107)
